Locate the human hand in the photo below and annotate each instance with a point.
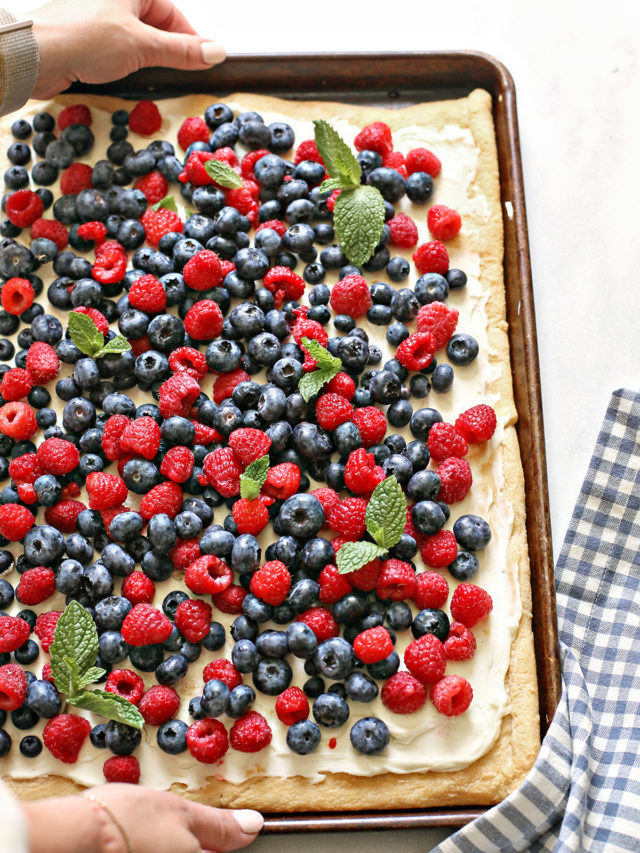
(96, 41)
(153, 822)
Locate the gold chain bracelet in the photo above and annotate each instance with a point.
(93, 799)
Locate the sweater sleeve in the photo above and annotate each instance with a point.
(13, 835)
(18, 62)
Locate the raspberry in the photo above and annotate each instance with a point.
(250, 733)
(192, 129)
(75, 178)
(25, 469)
(274, 224)
(165, 497)
(374, 137)
(439, 550)
(177, 464)
(226, 155)
(122, 768)
(341, 384)
(105, 490)
(431, 592)
(18, 421)
(395, 160)
(230, 599)
(223, 670)
(154, 185)
(14, 632)
(283, 481)
(440, 320)
(292, 706)
(64, 735)
(347, 518)
(404, 231)
(204, 320)
(177, 394)
(157, 223)
(23, 207)
(58, 456)
(148, 294)
(185, 553)
(13, 682)
(373, 645)
(125, 683)
(351, 295)
(422, 160)
(333, 410)
(46, 673)
(361, 474)
(141, 436)
(444, 441)
(371, 423)
(188, 360)
(64, 514)
(145, 625)
(328, 498)
(207, 740)
(477, 423)
(247, 166)
(205, 435)
(109, 267)
(74, 114)
(42, 362)
(250, 516)
(111, 435)
(307, 150)
(145, 118)
(443, 222)
(15, 384)
(397, 581)
(425, 658)
(45, 628)
(271, 583)
(455, 480)
(140, 345)
(244, 200)
(93, 230)
(431, 257)
(470, 604)
(27, 494)
(416, 351)
(366, 577)
(284, 284)
(193, 618)
(208, 575)
(452, 695)
(17, 295)
(138, 588)
(305, 328)
(333, 585)
(249, 444)
(226, 382)
(35, 586)
(52, 230)
(460, 643)
(321, 621)
(203, 270)
(331, 201)
(99, 320)
(194, 170)
(159, 704)
(403, 693)
(222, 469)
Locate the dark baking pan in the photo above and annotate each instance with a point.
(390, 80)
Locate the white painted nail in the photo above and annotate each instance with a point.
(249, 821)
(212, 52)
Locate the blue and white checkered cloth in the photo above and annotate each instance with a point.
(583, 793)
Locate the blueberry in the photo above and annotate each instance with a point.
(5, 743)
(442, 378)
(301, 640)
(369, 736)
(215, 698)
(6, 594)
(244, 656)
(456, 279)
(462, 349)
(431, 621)
(30, 746)
(360, 687)
(43, 698)
(110, 612)
(301, 516)
(385, 668)
(334, 658)
(421, 422)
(116, 559)
(330, 710)
(24, 718)
(69, 577)
(112, 646)
(427, 517)
(272, 644)
(245, 554)
(241, 699)
(272, 676)
(303, 737)
(149, 658)
(390, 183)
(172, 669)
(43, 545)
(256, 609)
(122, 739)
(405, 305)
(172, 737)
(98, 736)
(27, 653)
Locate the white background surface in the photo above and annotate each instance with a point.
(575, 66)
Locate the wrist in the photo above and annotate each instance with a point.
(64, 825)
(18, 62)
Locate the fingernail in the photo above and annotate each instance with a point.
(212, 52)
(249, 821)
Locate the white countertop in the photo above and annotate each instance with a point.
(575, 67)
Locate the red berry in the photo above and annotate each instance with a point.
(64, 514)
(58, 456)
(444, 440)
(14, 632)
(373, 645)
(431, 257)
(185, 553)
(283, 481)
(23, 207)
(328, 498)
(141, 436)
(138, 588)
(125, 683)
(271, 583)
(455, 479)
(247, 165)
(45, 628)
(111, 435)
(75, 178)
(203, 321)
(148, 294)
(18, 421)
(422, 160)
(440, 320)
(366, 577)
(431, 592)
(207, 740)
(347, 518)
(145, 625)
(416, 352)
(177, 464)
(25, 469)
(157, 223)
(460, 643)
(333, 585)
(99, 320)
(285, 284)
(154, 185)
(403, 693)
(452, 695)
(193, 618)
(42, 362)
(374, 137)
(122, 768)
(222, 469)
(397, 581)
(17, 295)
(250, 516)
(250, 733)
(371, 423)
(203, 271)
(94, 230)
(74, 114)
(177, 395)
(64, 735)
(404, 231)
(307, 150)
(192, 129)
(477, 423)
(341, 384)
(13, 681)
(223, 670)
(425, 658)
(105, 490)
(333, 410)
(165, 497)
(443, 222)
(439, 550)
(52, 230)
(110, 266)
(35, 586)
(321, 621)
(249, 444)
(189, 360)
(292, 706)
(208, 575)
(159, 704)
(230, 599)
(226, 382)
(15, 384)
(470, 604)
(145, 118)
(351, 295)
(361, 474)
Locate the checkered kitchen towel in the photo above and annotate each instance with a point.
(583, 794)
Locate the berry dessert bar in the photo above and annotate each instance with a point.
(262, 508)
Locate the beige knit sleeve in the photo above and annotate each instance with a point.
(18, 62)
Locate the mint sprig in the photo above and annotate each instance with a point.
(73, 656)
(358, 215)
(223, 174)
(328, 366)
(253, 478)
(168, 202)
(385, 518)
(90, 340)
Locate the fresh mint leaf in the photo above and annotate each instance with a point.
(115, 345)
(339, 161)
(358, 217)
(311, 383)
(223, 174)
(84, 333)
(75, 639)
(330, 185)
(109, 705)
(325, 360)
(168, 202)
(355, 555)
(253, 478)
(386, 513)
(91, 676)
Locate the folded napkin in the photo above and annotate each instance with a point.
(583, 793)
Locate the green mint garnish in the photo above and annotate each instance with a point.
(253, 478)
(90, 340)
(73, 656)
(358, 214)
(328, 365)
(168, 202)
(223, 174)
(385, 518)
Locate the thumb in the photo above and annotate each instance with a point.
(177, 50)
(224, 829)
